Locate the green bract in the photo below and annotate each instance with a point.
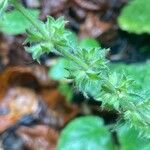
(87, 79)
(114, 99)
(135, 17)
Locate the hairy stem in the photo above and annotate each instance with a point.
(65, 53)
(72, 57)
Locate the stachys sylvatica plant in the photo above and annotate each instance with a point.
(88, 68)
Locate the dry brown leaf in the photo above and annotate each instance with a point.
(39, 137)
(32, 77)
(58, 104)
(25, 91)
(17, 103)
(94, 27)
(89, 5)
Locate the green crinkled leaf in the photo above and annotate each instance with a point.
(85, 133)
(15, 23)
(129, 139)
(135, 17)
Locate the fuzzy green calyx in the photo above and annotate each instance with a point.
(54, 31)
(87, 79)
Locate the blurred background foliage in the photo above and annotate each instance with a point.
(135, 17)
(14, 23)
